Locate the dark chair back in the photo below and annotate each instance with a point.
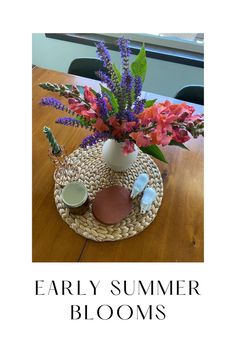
(86, 67)
(191, 93)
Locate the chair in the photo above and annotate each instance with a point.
(191, 93)
(86, 67)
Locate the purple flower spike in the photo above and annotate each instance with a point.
(137, 86)
(124, 52)
(126, 85)
(129, 116)
(113, 81)
(103, 54)
(127, 81)
(51, 101)
(106, 79)
(94, 139)
(69, 121)
(102, 106)
(124, 47)
(139, 106)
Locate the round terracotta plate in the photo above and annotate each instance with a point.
(112, 204)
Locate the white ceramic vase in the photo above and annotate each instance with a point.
(114, 156)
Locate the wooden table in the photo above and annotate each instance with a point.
(176, 235)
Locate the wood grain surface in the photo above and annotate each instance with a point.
(176, 235)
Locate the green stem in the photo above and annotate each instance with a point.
(63, 91)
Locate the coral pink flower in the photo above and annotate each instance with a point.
(128, 147)
(116, 130)
(81, 108)
(180, 135)
(148, 115)
(78, 107)
(161, 119)
(91, 98)
(89, 95)
(127, 127)
(88, 114)
(160, 136)
(195, 118)
(165, 120)
(94, 106)
(181, 111)
(113, 121)
(100, 125)
(119, 129)
(72, 100)
(141, 139)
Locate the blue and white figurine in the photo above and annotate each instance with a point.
(139, 184)
(148, 198)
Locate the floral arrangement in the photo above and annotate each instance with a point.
(119, 112)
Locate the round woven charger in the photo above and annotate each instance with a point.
(89, 167)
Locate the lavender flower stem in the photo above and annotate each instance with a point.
(64, 91)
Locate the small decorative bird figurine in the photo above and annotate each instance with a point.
(139, 184)
(148, 198)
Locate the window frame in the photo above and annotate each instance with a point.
(174, 55)
(164, 41)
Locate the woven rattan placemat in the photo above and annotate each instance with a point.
(88, 167)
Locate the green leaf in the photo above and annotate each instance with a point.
(175, 143)
(154, 151)
(150, 103)
(84, 123)
(112, 98)
(117, 71)
(139, 66)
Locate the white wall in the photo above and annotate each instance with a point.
(162, 77)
